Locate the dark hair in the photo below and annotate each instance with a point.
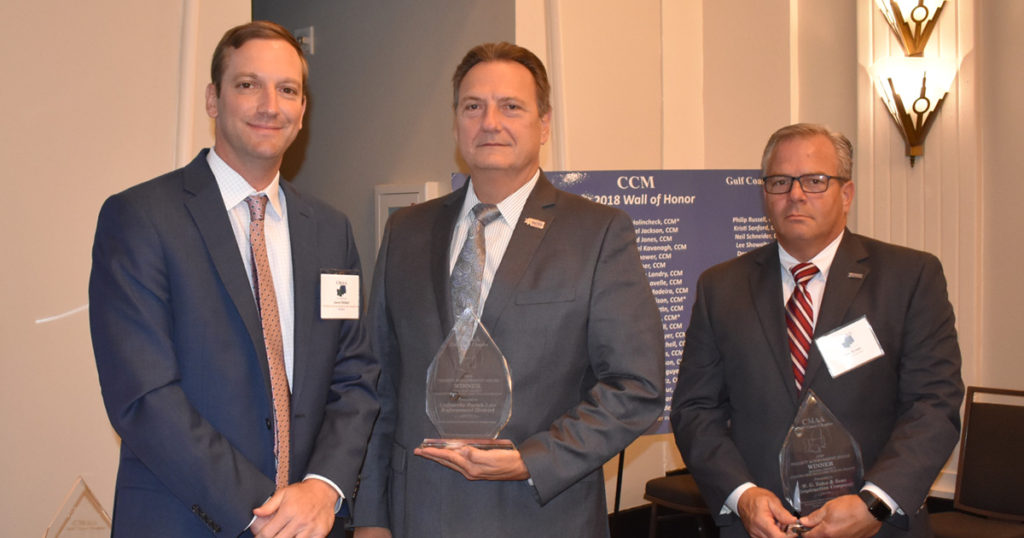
(236, 37)
(842, 145)
(506, 52)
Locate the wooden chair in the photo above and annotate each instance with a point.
(989, 496)
(678, 491)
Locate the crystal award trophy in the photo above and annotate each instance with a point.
(469, 389)
(81, 516)
(819, 460)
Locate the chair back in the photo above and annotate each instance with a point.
(990, 472)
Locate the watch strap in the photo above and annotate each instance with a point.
(876, 506)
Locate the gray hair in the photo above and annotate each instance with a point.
(842, 145)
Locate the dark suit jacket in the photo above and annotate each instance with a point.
(183, 367)
(735, 399)
(571, 309)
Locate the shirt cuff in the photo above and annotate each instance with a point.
(889, 501)
(341, 496)
(254, 516)
(734, 498)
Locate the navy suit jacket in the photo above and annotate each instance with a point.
(736, 399)
(183, 366)
(571, 309)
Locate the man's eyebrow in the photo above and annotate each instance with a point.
(255, 75)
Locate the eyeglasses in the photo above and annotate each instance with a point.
(810, 183)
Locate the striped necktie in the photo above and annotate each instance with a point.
(800, 321)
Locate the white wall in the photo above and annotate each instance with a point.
(1000, 46)
(91, 106)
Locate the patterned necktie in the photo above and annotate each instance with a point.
(800, 320)
(469, 267)
(266, 299)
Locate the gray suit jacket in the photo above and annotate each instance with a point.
(571, 309)
(183, 367)
(736, 399)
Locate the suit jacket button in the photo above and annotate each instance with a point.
(270, 425)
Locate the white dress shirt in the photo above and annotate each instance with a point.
(497, 234)
(235, 189)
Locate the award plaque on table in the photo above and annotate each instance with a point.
(819, 460)
(469, 389)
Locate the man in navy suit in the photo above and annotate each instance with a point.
(177, 332)
(741, 383)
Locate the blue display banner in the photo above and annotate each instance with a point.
(686, 221)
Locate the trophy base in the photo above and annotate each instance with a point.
(482, 444)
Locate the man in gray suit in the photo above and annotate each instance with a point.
(564, 297)
(745, 371)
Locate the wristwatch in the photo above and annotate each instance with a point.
(876, 506)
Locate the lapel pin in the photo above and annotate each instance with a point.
(534, 223)
(856, 275)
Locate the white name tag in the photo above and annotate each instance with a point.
(849, 346)
(339, 296)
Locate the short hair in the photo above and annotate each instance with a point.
(842, 145)
(239, 35)
(506, 52)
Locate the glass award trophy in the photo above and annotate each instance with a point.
(469, 389)
(819, 460)
(81, 516)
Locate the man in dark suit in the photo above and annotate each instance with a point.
(189, 331)
(741, 380)
(564, 297)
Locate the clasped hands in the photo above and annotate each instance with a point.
(764, 516)
(303, 509)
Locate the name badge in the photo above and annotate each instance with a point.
(339, 295)
(849, 346)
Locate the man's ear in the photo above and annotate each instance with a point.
(211, 100)
(545, 127)
(846, 191)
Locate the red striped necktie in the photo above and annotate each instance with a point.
(800, 321)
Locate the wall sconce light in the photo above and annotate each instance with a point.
(911, 20)
(912, 79)
(921, 83)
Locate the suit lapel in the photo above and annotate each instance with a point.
(440, 255)
(540, 206)
(302, 234)
(840, 290)
(207, 209)
(766, 293)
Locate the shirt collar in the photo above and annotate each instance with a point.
(234, 189)
(510, 208)
(822, 260)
